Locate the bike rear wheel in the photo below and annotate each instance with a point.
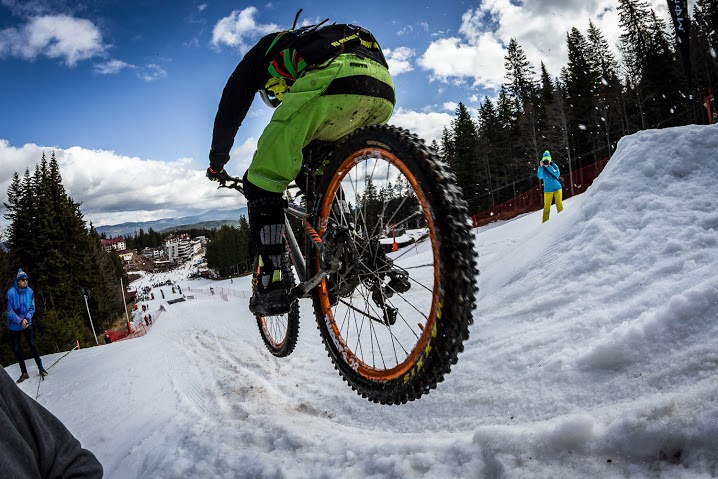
(393, 318)
(280, 332)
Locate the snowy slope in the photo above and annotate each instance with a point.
(594, 353)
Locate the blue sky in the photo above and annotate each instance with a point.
(125, 92)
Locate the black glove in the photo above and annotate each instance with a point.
(217, 175)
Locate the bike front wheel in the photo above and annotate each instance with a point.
(395, 313)
(280, 332)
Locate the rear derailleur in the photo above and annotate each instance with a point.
(398, 283)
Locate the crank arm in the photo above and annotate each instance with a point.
(303, 289)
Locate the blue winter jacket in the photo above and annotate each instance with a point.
(20, 305)
(550, 184)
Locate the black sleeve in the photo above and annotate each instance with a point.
(237, 97)
(34, 443)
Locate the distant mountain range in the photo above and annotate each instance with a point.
(210, 219)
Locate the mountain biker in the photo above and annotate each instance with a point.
(325, 82)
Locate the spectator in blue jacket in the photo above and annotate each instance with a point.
(19, 313)
(549, 173)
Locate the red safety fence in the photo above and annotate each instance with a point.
(139, 329)
(576, 183)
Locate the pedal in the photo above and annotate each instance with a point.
(271, 303)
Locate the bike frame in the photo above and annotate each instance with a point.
(307, 284)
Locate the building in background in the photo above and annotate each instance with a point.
(117, 244)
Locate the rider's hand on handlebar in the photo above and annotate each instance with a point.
(218, 175)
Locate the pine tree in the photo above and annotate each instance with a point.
(608, 87)
(634, 44)
(650, 65)
(508, 168)
(546, 90)
(704, 36)
(580, 78)
(14, 200)
(519, 75)
(663, 69)
(465, 157)
(446, 151)
(544, 97)
(558, 134)
(489, 139)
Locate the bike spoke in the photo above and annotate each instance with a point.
(391, 318)
(376, 326)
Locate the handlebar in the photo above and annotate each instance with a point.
(233, 182)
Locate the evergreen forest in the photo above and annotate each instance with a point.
(656, 82)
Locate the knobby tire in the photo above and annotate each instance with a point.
(393, 363)
(280, 332)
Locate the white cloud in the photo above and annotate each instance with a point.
(450, 106)
(449, 58)
(55, 36)
(540, 28)
(241, 156)
(407, 29)
(112, 67)
(114, 188)
(149, 73)
(398, 59)
(426, 125)
(152, 72)
(239, 29)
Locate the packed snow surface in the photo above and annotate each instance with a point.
(594, 353)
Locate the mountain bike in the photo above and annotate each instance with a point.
(393, 312)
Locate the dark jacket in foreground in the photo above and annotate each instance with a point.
(34, 443)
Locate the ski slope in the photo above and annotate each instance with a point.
(594, 353)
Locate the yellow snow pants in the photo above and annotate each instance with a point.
(548, 198)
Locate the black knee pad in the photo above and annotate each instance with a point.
(264, 207)
(266, 220)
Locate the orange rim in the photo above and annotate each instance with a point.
(428, 329)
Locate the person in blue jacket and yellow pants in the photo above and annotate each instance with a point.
(549, 173)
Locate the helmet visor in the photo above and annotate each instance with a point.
(269, 99)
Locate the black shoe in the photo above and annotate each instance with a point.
(270, 301)
(43, 373)
(23, 377)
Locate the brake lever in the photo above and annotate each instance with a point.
(235, 183)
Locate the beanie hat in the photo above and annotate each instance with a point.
(21, 274)
(546, 156)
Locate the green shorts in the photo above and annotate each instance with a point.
(305, 114)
